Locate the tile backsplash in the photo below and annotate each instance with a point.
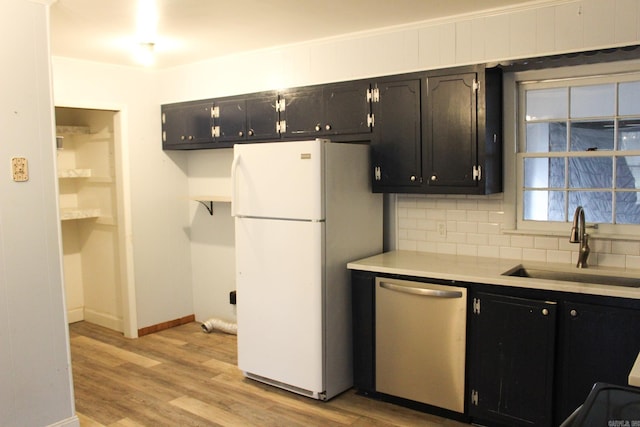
(479, 226)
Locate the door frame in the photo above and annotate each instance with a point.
(124, 220)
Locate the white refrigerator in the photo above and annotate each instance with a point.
(302, 211)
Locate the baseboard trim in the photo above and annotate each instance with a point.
(75, 315)
(69, 422)
(103, 319)
(166, 325)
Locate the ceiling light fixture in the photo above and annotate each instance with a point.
(146, 32)
(143, 53)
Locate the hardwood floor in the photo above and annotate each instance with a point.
(185, 377)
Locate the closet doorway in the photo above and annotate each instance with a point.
(97, 268)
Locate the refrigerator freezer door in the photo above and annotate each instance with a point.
(278, 180)
(279, 280)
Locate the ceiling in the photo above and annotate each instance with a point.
(194, 30)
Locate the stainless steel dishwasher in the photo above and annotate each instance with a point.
(420, 342)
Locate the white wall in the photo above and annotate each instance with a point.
(35, 374)
(474, 224)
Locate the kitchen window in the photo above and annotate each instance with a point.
(579, 145)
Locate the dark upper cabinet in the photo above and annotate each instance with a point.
(262, 116)
(246, 118)
(396, 141)
(511, 360)
(431, 132)
(230, 119)
(597, 344)
(439, 132)
(347, 108)
(301, 112)
(325, 110)
(451, 115)
(186, 125)
(462, 131)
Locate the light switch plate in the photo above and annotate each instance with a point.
(19, 169)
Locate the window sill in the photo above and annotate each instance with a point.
(592, 235)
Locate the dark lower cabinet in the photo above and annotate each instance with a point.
(511, 360)
(363, 309)
(597, 343)
(531, 361)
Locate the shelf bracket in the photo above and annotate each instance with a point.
(207, 204)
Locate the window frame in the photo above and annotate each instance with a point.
(515, 84)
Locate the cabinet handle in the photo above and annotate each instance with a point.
(427, 292)
(318, 128)
(181, 137)
(545, 312)
(413, 178)
(573, 313)
(250, 132)
(240, 133)
(434, 178)
(190, 137)
(327, 126)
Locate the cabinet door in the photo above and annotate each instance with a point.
(396, 138)
(511, 359)
(230, 120)
(597, 344)
(303, 112)
(346, 109)
(186, 125)
(450, 130)
(172, 126)
(262, 117)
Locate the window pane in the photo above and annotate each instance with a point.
(544, 205)
(627, 208)
(593, 101)
(629, 98)
(590, 172)
(544, 104)
(596, 204)
(544, 172)
(628, 172)
(592, 135)
(546, 137)
(629, 134)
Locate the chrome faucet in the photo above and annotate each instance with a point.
(579, 235)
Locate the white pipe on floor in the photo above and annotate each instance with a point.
(209, 325)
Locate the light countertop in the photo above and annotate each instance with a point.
(489, 271)
(634, 375)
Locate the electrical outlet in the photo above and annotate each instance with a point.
(442, 229)
(19, 169)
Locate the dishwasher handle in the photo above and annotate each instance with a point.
(437, 293)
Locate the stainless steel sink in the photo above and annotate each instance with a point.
(568, 276)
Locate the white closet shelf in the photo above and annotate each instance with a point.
(74, 173)
(208, 201)
(67, 214)
(72, 130)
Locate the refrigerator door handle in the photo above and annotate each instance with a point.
(421, 291)
(234, 166)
